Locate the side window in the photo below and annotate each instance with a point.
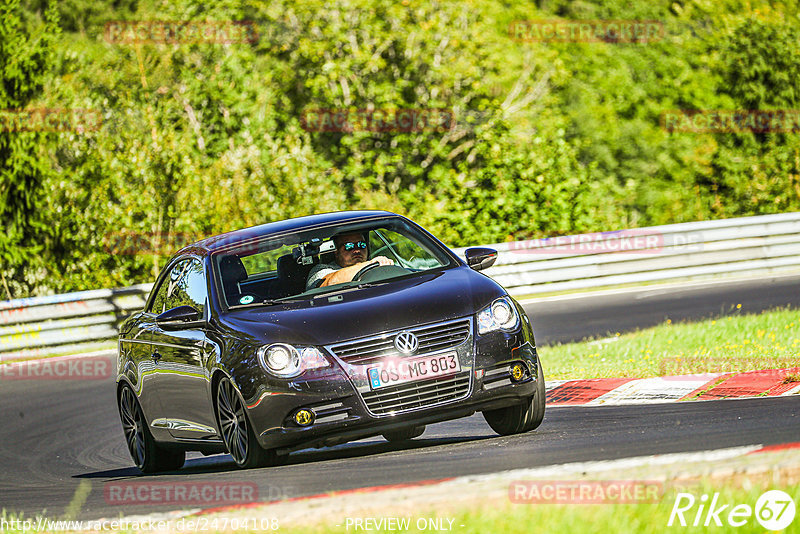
(191, 290)
(166, 289)
(185, 285)
(404, 249)
(375, 243)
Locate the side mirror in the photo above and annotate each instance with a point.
(178, 317)
(480, 258)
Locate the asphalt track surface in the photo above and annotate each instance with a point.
(59, 435)
(568, 319)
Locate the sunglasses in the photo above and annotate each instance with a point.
(351, 246)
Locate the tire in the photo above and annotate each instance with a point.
(237, 432)
(148, 456)
(523, 417)
(404, 434)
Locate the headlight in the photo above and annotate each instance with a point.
(287, 361)
(499, 315)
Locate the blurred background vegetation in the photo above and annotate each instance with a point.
(551, 138)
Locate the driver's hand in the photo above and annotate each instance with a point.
(382, 260)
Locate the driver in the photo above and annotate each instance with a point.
(351, 257)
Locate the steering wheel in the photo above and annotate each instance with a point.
(375, 272)
(365, 269)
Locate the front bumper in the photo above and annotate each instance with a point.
(336, 396)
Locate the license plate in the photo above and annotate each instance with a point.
(401, 371)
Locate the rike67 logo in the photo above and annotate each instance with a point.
(774, 510)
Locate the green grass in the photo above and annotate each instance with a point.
(736, 342)
(507, 518)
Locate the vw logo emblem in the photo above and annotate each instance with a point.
(406, 342)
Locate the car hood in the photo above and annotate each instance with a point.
(353, 313)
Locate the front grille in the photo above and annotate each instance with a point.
(417, 394)
(432, 337)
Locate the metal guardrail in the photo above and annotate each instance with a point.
(754, 246)
(751, 246)
(67, 323)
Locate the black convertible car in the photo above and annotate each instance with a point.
(316, 331)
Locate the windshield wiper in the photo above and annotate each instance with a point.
(270, 302)
(372, 284)
(353, 287)
(265, 302)
(333, 291)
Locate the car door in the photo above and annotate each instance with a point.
(136, 349)
(180, 356)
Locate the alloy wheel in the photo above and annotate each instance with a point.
(133, 426)
(232, 421)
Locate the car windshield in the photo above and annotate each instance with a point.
(295, 265)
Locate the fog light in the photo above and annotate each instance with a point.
(304, 417)
(517, 372)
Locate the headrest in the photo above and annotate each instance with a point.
(232, 272)
(288, 267)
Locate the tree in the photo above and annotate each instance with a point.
(24, 61)
(759, 172)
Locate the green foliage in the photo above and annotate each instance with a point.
(23, 169)
(760, 173)
(83, 15)
(547, 138)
